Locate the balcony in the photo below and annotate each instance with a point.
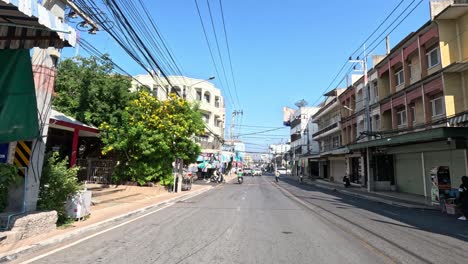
(295, 122)
(295, 137)
(326, 129)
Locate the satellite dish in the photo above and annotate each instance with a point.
(301, 103)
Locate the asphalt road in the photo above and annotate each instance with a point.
(264, 222)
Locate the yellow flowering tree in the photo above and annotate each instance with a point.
(151, 136)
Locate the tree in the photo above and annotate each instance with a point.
(151, 136)
(87, 89)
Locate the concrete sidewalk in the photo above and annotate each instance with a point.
(392, 198)
(111, 204)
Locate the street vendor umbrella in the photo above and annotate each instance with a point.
(202, 165)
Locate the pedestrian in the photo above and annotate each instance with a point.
(463, 198)
(346, 181)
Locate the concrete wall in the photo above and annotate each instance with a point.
(415, 69)
(384, 85)
(386, 121)
(448, 41)
(454, 93)
(419, 111)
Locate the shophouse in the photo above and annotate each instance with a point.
(422, 106)
(331, 159)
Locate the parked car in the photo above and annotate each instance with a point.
(257, 172)
(247, 171)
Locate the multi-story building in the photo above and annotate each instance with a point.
(301, 141)
(203, 92)
(360, 115)
(419, 116)
(331, 160)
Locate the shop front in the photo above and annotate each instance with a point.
(404, 163)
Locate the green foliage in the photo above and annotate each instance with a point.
(58, 182)
(87, 89)
(151, 135)
(8, 177)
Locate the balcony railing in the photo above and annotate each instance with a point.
(326, 129)
(329, 146)
(295, 137)
(295, 122)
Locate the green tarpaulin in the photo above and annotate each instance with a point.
(18, 107)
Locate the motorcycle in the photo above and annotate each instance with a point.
(240, 178)
(217, 177)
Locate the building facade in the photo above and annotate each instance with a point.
(204, 93)
(301, 142)
(331, 160)
(418, 108)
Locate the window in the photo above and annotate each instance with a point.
(199, 95)
(401, 118)
(433, 58)
(410, 71)
(206, 118)
(155, 91)
(399, 77)
(217, 102)
(207, 97)
(336, 141)
(437, 107)
(413, 114)
(376, 90)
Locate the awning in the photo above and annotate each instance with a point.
(459, 120)
(18, 106)
(340, 151)
(25, 24)
(415, 137)
(61, 121)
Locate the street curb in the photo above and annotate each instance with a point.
(14, 254)
(372, 198)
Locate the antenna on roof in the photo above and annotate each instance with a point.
(301, 103)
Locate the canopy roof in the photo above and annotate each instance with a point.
(25, 24)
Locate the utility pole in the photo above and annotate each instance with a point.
(235, 113)
(368, 117)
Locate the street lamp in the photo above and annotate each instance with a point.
(190, 86)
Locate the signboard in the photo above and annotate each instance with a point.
(4, 152)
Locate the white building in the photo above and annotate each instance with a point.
(301, 131)
(203, 92)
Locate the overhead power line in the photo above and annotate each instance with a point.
(211, 53)
(365, 41)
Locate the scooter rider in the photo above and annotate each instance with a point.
(240, 178)
(277, 174)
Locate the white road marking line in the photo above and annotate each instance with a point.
(243, 198)
(104, 231)
(238, 208)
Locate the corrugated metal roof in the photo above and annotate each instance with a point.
(25, 24)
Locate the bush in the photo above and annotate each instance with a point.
(58, 183)
(8, 177)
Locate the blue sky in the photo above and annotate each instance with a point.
(282, 51)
